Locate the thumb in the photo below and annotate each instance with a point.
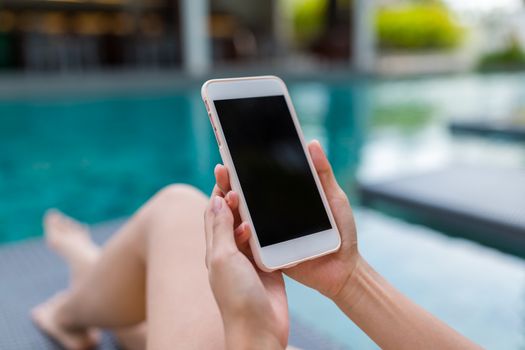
(337, 198)
(324, 171)
(223, 240)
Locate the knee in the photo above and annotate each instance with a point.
(176, 208)
(180, 193)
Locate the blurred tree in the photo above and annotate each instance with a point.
(308, 21)
(417, 25)
(511, 57)
(323, 27)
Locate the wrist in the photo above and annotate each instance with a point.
(352, 289)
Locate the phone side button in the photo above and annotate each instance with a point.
(211, 120)
(214, 129)
(216, 137)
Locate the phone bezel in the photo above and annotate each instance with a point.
(287, 253)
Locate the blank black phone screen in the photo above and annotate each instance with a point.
(278, 185)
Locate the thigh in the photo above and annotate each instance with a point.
(181, 310)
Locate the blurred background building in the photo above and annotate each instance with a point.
(387, 36)
(94, 35)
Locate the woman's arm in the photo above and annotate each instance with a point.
(382, 312)
(391, 319)
(388, 317)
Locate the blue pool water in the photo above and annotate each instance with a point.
(95, 158)
(99, 156)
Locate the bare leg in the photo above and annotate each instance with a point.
(165, 242)
(72, 241)
(132, 338)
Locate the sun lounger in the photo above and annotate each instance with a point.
(499, 130)
(485, 204)
(30, 273)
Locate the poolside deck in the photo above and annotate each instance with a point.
(485, 204)
(506, 130)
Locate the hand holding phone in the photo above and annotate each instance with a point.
(280, 195)
(354, 286)
(326, 274)
(253, 305)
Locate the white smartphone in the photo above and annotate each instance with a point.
(262, 146)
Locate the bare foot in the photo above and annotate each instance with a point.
(133, 337)
(71, 240)
(46, 317)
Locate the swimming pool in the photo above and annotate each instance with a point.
(99, 156)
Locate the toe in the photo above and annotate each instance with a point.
(51, 216)
(58, 221)
(44, 317)
(54, 221)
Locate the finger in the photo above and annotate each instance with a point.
(216, 192)
(242, 239)
(208, 231)
(221, 218)
(335, 195)
(324, 171)
(232, 198)
(242, 234)
(222, 178)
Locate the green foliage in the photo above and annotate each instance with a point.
(510, 58)
(417, 26)
(308, 19)
(403, 116)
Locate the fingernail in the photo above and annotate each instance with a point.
(217, 204)
(321, 149)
